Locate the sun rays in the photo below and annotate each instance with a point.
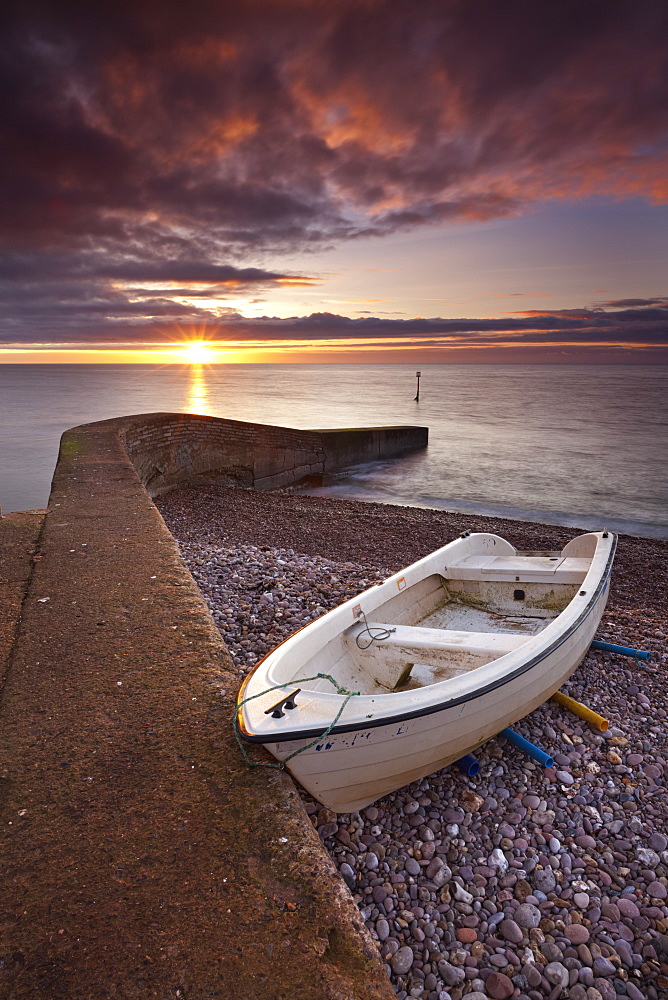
(197, 352)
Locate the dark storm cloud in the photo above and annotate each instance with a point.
(586, 326)
(270, 123)
(76, 292)
(24, 266)
(105, 320)
(148, 142)
(636, 303)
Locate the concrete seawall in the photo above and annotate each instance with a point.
(141, 857)
(171, 449)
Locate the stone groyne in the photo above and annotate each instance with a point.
(173, 449)
(140, 856)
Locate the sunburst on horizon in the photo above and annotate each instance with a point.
(197, 352)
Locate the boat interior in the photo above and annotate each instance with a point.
(449, 624)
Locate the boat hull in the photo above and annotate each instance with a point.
(348, 771)
(357, 764)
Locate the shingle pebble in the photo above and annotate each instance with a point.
(511, 931)
(527, 915)
(585, 878)
(603, 967)
(544, 880)
(658, 842)
(402, 960)
(450, 974)
(577, 933)
(565, 777)
(627, 907)
(499, 986)
(412, 866)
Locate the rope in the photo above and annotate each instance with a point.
(323, 736)
(377, 635)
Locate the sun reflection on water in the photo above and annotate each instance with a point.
(198, 392)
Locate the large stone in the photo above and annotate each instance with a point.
(627, 907)
(556, 973)
(461, 895)
(543, 879)
(466, 935)
(499, 987)
(434, 866)
(527, 915)
(531, 974)
(576, 933)
(606, 989)
(604, 967)
(586, 842)
(565, 777)
(442, 876)
(470, 801)
(402, 961)
(451, 975)
(511, 931)
(522, 889)
(611, 911)
(498, 860)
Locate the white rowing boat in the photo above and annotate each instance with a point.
(441, 657)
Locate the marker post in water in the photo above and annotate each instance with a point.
(417, 375)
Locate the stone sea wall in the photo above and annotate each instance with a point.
(139, 854)
(171, 449)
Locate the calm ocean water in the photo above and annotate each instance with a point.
(578, 445)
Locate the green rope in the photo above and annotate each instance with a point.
(323, 736)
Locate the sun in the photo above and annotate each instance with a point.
(196, 352)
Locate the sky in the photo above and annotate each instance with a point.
(356, 180)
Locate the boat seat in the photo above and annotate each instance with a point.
(527, 569)
(417, 638)
(448, 652)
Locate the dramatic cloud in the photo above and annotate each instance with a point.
(661, 300)
(114, 321)
(172, 142)
(264, 123)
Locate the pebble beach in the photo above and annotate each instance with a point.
(524, 881)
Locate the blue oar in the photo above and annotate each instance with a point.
(610, 647)
(528, 748)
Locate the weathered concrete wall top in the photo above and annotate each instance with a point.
(140, 856)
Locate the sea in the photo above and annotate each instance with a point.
(578, 445)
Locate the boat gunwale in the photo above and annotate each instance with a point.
(431, 708)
